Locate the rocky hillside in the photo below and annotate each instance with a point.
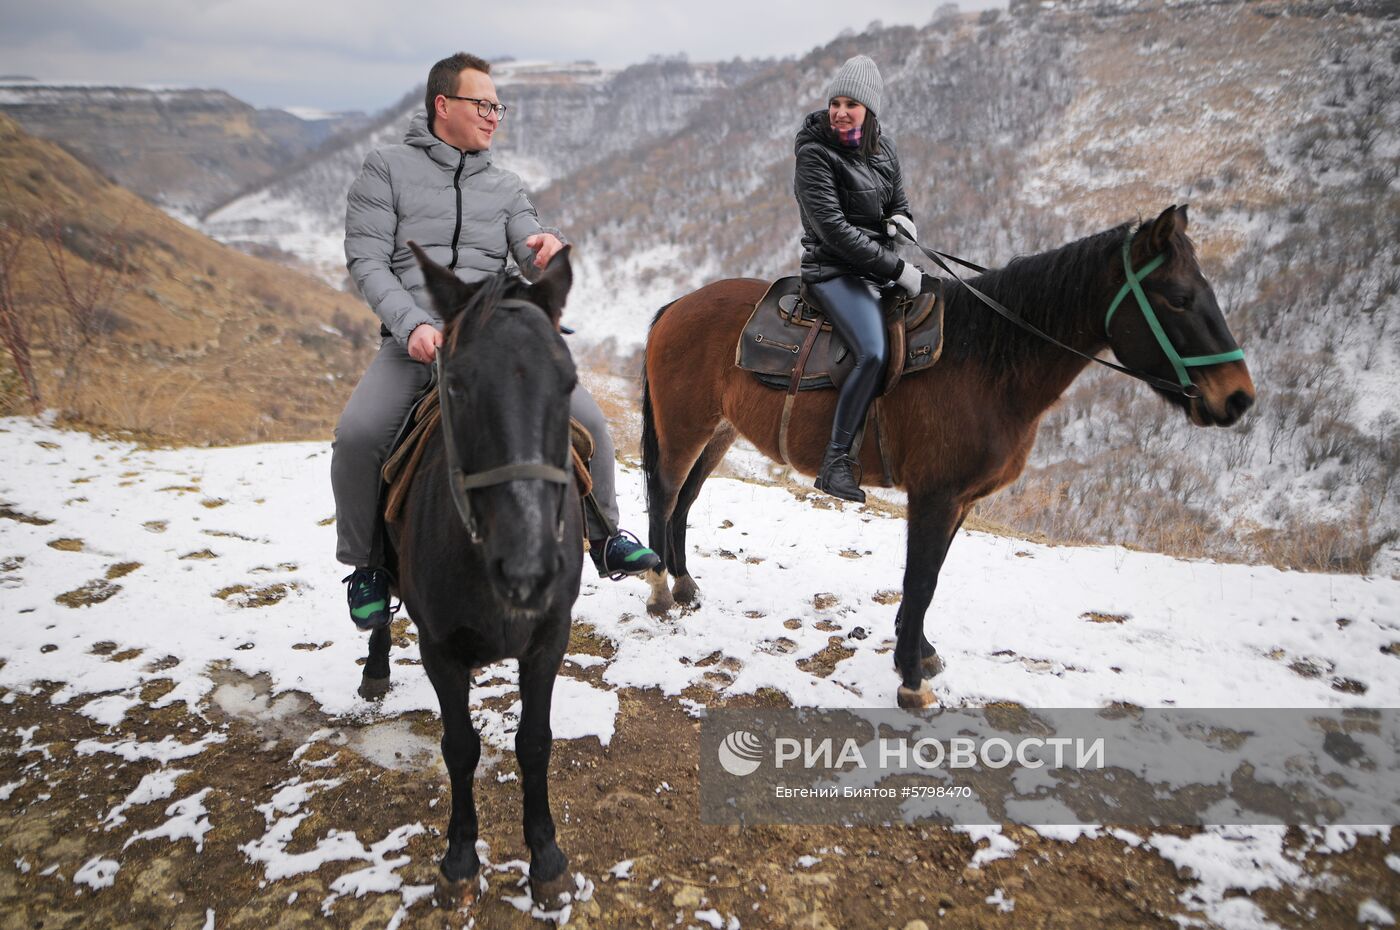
(562, 118)
(185, 149)
(135, 322)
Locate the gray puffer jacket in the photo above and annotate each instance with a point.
(465, 212)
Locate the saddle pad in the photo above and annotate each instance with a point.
(782, 319)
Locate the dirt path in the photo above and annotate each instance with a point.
(379, 779)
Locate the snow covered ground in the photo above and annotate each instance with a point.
(225, 556)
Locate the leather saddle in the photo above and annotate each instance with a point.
(788, 337)
(423, 421)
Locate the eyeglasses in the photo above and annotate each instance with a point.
(483, 107)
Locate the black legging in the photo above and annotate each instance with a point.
(853, 306)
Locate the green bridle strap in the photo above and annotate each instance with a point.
(1134, 284)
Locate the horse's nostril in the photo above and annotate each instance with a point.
(1238, 403)
(518, 582)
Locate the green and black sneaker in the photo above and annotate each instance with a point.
(368, 595)
(622, 555)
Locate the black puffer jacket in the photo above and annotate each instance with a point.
(844, 200)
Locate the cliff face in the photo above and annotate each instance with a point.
(182, 148)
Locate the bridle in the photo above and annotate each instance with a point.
(1134, 283)
(462, 483)
(1185, 386)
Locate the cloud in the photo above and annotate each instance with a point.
(358, 54)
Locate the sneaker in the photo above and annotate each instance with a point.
(368, 595)
(622, 555)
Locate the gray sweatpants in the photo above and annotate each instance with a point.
(372, 418)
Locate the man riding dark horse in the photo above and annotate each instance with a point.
(440, 188)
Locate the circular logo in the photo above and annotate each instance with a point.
(741, 753)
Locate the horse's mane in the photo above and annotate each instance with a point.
(1054, 291)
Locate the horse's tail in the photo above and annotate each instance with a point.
(651, 448)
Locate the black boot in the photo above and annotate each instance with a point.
(837, 476)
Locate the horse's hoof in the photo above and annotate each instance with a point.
(660, 602)
(686, 591)
(931, 665)
(911, 699)
(459, 894)
(373, 689)
(549, 895)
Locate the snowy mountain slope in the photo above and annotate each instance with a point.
(1277, 122)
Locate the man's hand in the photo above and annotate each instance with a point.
(423, 343)
(544, 245)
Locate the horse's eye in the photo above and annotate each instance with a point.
(1178, 302)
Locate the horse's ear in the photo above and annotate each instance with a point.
(1165, 228)
(448, 292)
(552, 289)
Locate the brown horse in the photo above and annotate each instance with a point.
(953, 434)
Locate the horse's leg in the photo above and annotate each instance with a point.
(931, 662)
(684, 588)
(680, 447)
(461, 750)
(933, 521)
(374, 680)
(549, 875)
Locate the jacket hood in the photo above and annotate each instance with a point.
(816, 127)
(420, 137)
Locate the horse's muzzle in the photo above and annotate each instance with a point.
(1227, 392)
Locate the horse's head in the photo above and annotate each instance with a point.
(506, 377)
(1181, 336)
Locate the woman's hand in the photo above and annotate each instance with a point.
(910, 278)
(901, 223)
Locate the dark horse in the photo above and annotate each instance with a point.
(953, 434)
(496, 576)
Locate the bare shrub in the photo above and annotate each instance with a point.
(14, 327)
(84, 292)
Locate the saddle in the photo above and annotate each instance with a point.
(423, 421)
(787, 342)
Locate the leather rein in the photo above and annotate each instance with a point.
(1186, 387)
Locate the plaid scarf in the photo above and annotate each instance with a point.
(850, 138)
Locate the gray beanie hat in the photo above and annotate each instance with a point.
(860, 80)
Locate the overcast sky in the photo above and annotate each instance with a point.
(364, 55)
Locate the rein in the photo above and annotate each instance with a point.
(1186, 387)
(462, 482)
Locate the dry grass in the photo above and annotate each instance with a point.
(201, 343)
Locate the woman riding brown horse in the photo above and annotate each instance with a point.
(849, 189)
(953, 434)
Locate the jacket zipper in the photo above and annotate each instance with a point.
(457, 186)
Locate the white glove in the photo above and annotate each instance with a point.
(911, 279)
(899, 222)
